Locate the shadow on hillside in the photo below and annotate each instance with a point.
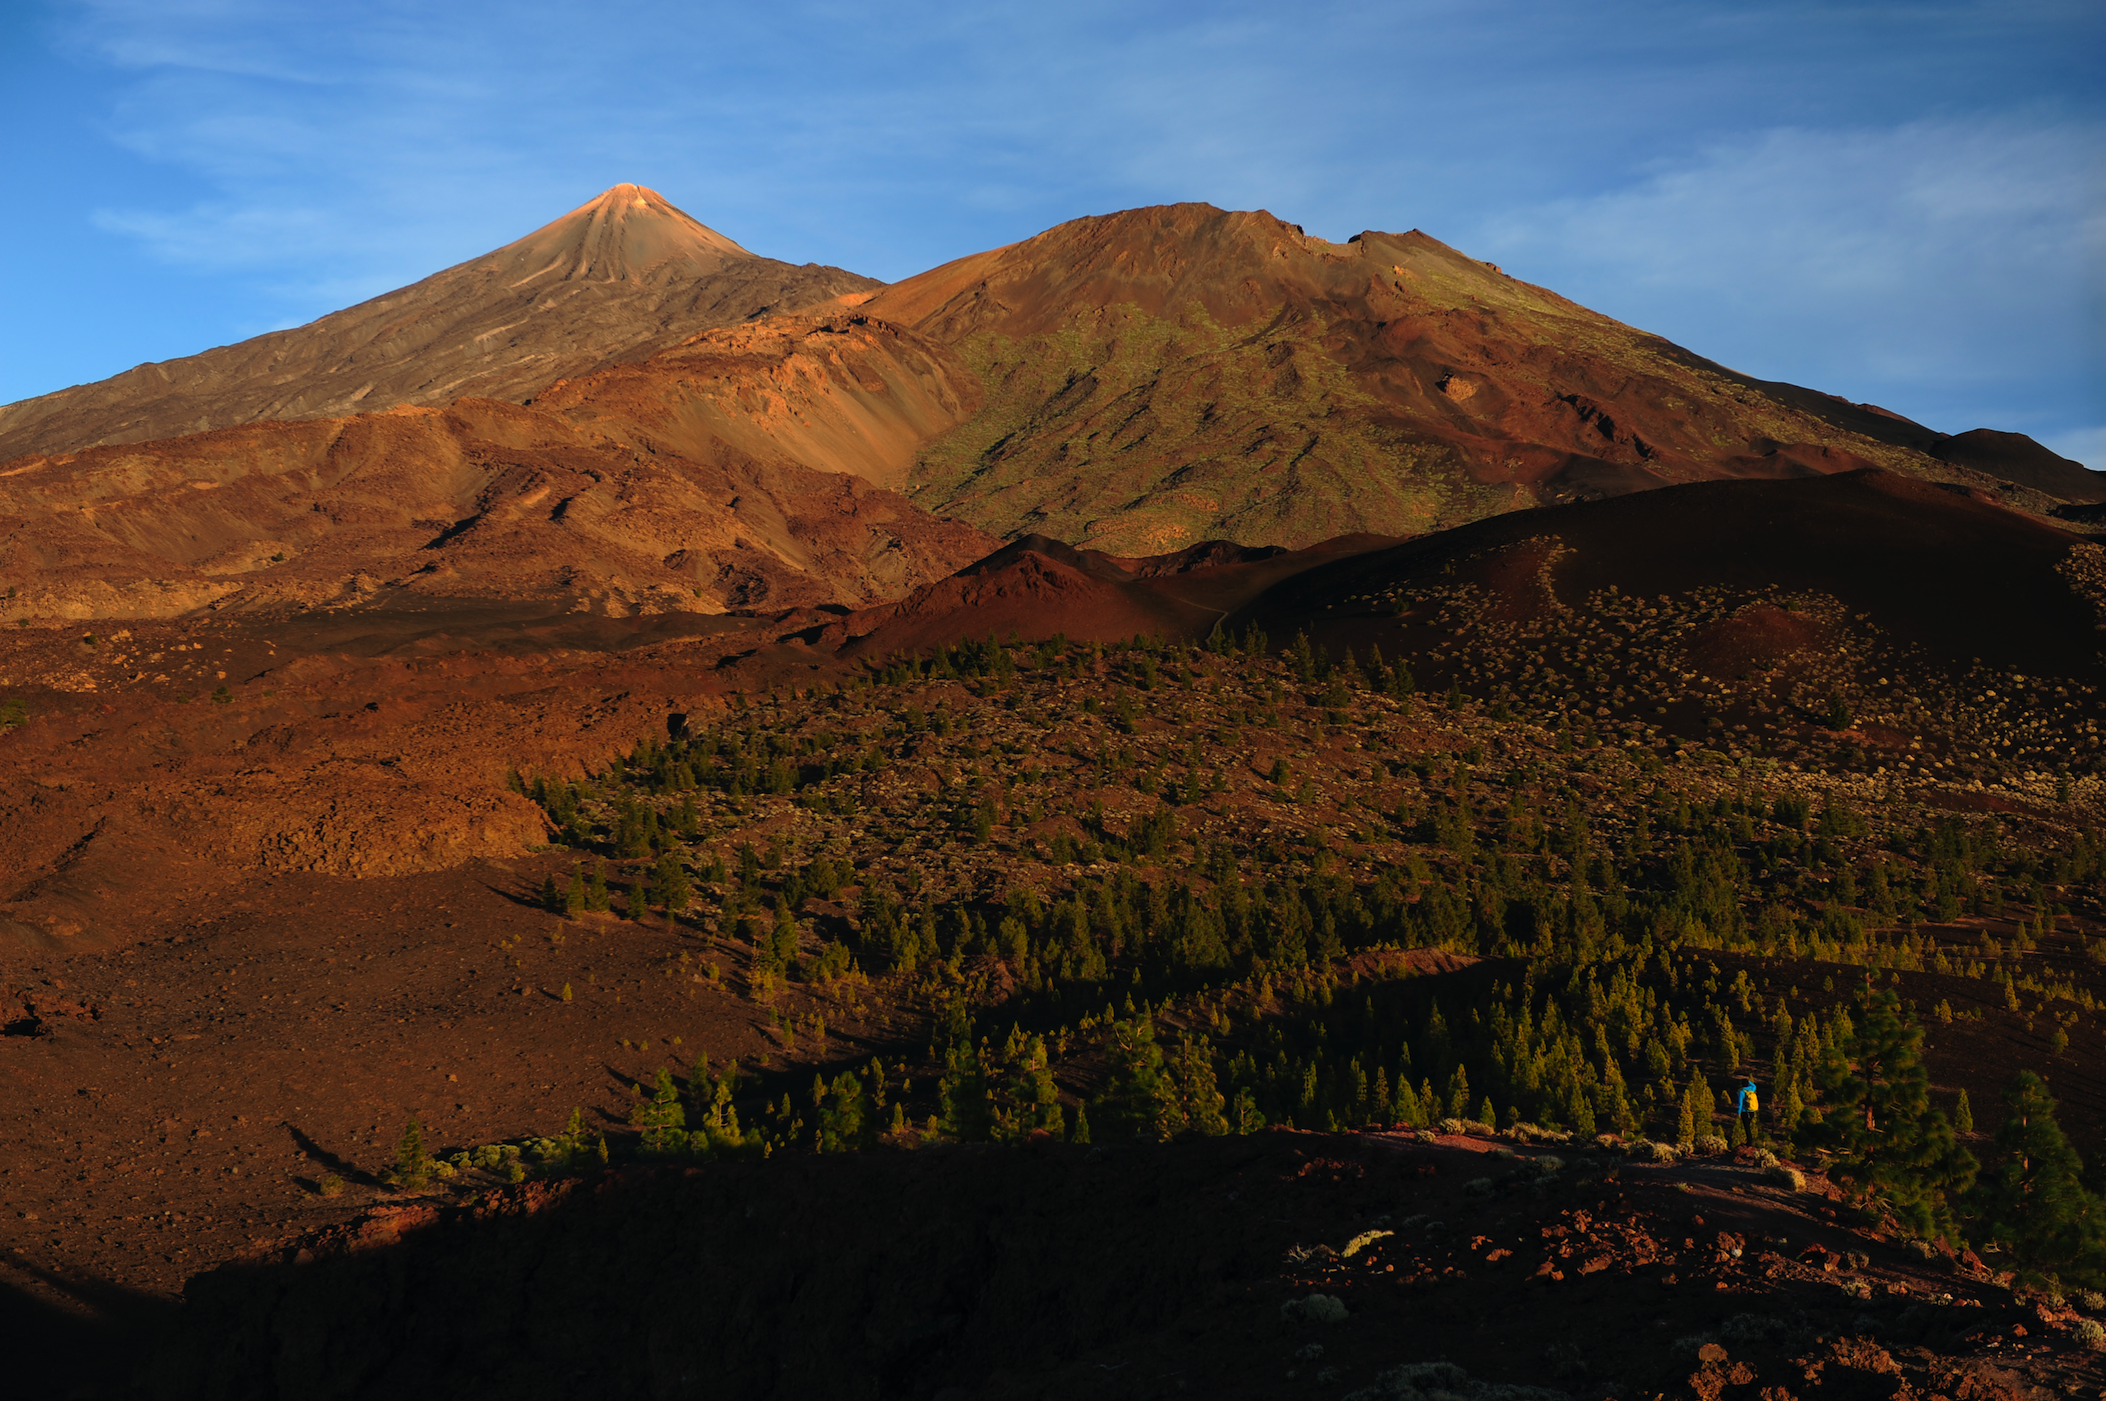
(80, 1338)
(870, 1275)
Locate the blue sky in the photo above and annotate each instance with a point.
(1901, 203)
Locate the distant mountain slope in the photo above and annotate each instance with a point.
(1166, 375)
(721, 474)
(617, 278)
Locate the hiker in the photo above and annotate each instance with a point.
(1749, 1104)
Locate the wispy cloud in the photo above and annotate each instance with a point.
(1937, 264)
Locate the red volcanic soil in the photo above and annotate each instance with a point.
(1060, 1270)
(739, 469)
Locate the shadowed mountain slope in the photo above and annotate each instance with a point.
(1035, 587)
(1950, 576)
(619, 277)
(1171, 374)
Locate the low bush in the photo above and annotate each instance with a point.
(1785, 1175)
(1317, 1308)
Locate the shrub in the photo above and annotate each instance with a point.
(1662, 1152)
(1752, 1327)
(1317, 1308)
(1416, 1380)
(331, 1185)
(1709, 1145)
(1478, 1187)
(1787, 1176)
(1765, 1159)
(2089, 1333)
(2091, 1300)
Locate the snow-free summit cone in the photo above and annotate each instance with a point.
(622, 275)
(629, 232)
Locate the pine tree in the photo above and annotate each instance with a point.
(574, 896)
(639, 894)
(961, 1094)
(1695, 1118)
(845, 1114)
(1963, 1115)
(1790, 1110)
(1142, 1095)
(551, 898)
(412, 1163)
(669, 878)
(1892, 1145)
(1080, 1132)
(1404, 1104)
(1199, 1094)
(782, 940)
(596, 892)
(2032, 1200)
(1459, 1094)
(660, 1115)
(701, 1089)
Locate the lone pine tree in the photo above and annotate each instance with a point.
(2032, 1201)
(1892, 1146)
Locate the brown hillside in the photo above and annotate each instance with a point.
(618, 277)
(1036, 588)
(719, 474)
(1165, 375)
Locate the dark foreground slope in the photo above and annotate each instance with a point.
(1061, 1271)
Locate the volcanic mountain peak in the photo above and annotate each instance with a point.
(630, 231)
(615, 279)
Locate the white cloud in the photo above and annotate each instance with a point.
(1937, 267)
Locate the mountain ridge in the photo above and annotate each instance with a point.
(622, 275)
(1181, 372)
